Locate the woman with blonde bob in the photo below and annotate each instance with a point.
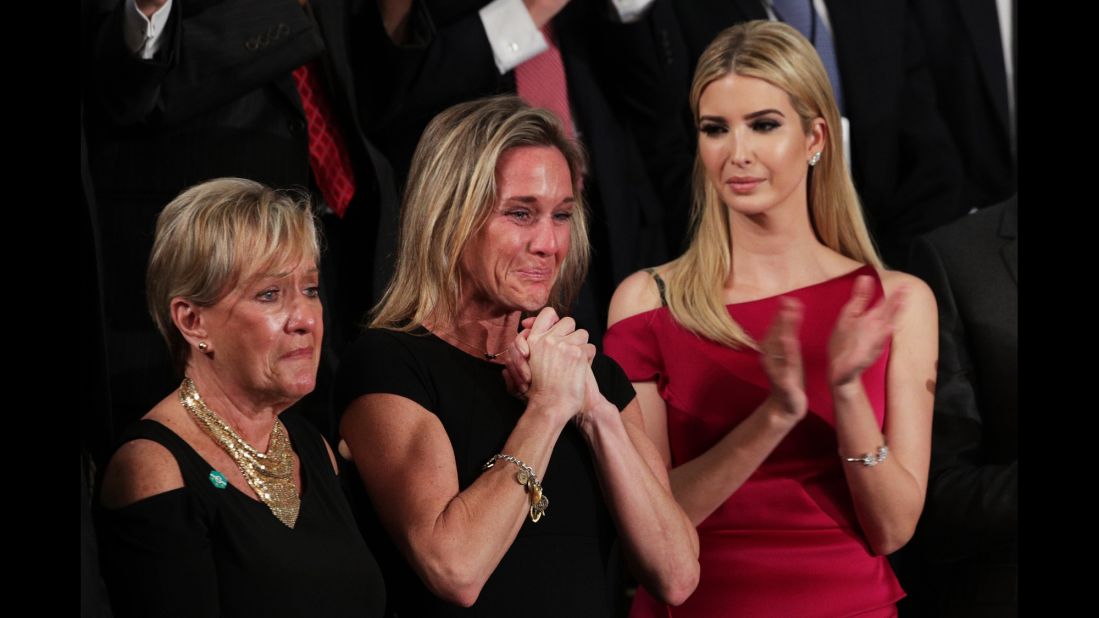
(491, 498)
(216, 504)
(785, 376)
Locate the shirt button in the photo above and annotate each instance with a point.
(514, 46)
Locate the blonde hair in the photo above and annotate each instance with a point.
(450, 194)
(214, 234)
(780, 55)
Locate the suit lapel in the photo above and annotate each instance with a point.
(285, 86)
(1009, 230)
(1010, 253)
(981, 21)
(848, 29)
(332, 23)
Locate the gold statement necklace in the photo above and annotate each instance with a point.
(270, 474)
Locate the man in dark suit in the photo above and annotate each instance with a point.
(966, 58)
(906, 170)
(967, 537)
(209, 92)
(458, 62)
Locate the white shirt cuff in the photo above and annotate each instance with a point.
(630, 11)
(144, 35)
(511, 33)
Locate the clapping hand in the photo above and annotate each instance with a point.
(861, 332)
(781, 358)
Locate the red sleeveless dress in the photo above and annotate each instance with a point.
(787, 542)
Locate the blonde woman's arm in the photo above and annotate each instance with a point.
(889, 496)
(704, 483)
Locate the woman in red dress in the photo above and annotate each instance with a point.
(785, 375)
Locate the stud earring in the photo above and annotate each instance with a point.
(202, 346)
(813, 160)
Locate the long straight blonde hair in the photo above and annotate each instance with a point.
(450, 194)
(780, 55)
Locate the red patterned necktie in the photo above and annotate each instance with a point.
(541, 81)
(327, 153)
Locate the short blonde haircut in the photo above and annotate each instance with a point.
(780, 55)
(213, 236)
(450, 194)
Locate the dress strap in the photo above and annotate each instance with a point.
(193, 467)
(659, 286)
(307, 443)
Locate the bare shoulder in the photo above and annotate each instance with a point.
(915, 288)
(139, 469)
(405, 460)
(919, 309)
(636, 294)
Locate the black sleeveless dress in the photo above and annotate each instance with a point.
(564, 565)
(201, 550)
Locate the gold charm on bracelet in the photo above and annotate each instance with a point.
(525, 477)
(538, 509)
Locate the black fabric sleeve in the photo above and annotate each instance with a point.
(450, 64)
(382, 361)
(157, 558)
(613, 383)
(156, 554)
(212, 53)
(450, 61)
(972, 505)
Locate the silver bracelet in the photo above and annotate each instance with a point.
(529, 480)
(870, 459)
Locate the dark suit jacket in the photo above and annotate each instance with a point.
(219, 100)
(968, 532)
(905, 167)
(457, 65)
(966, 60)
